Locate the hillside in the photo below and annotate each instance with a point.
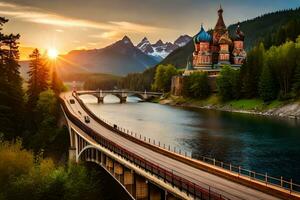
(179, 57)
(255, 30)
(119, 58)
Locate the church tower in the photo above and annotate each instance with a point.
(219, 31)
(239, 53)
(202, 56)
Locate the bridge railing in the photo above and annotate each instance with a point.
(170, 176)
(287, 185)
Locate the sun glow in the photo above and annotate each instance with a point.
(52, 53)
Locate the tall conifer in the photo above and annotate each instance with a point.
(38, 78)
(11, 94)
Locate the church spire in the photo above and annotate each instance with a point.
(220, 9)
(220, 23)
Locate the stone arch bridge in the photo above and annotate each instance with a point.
(121, 94)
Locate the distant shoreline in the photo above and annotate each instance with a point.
(286, 110)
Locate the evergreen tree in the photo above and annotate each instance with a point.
(267, 89)
(296, 77)
(250, 71)
(296, 82)
(38, 78)
(163, 77)
(228, 83)
(56, 83)
(11, 93)
(197, 85)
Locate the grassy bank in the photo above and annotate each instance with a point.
(253, 106)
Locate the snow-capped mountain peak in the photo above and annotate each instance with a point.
(126, 40)
(182, 40)
(160, 50)
(145, 46)
(144, 42)
(159, 43)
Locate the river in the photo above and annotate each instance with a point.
(261, 144)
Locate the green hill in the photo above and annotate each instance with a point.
(262, 28)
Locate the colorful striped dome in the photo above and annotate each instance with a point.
(202, 36)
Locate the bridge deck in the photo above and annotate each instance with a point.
(223, 186)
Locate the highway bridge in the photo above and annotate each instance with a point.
(149, 170)
(121, 94)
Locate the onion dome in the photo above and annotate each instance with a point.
(202, 36)
(240, 36)
(224, 39)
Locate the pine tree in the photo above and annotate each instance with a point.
(56, 83)
(250, 71)
(296, 82)
(11, 94)
(38, 78)
(267, 86)
(296, 77)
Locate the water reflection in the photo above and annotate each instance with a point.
(254, 142)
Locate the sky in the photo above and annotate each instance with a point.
(88, 24)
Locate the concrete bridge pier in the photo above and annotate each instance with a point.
(118, 172)
(73, 145)
(155, 193)
(100, 99)
(141, 188)
(123, 99)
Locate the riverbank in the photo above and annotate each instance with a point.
(276, 108)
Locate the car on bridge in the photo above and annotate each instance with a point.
(72, 101)
(87, 119)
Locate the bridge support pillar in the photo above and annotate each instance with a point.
(118, 170)
(123, 99)
(155, 193)
(109, 164)
(129, 181)
(72, 154)
(141, 188)
(100, 99)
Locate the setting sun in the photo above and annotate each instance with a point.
(52, 53)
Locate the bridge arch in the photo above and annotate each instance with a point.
(85, 149)
(92, 154)
(90, 98)
(140, 96)
(113, 95)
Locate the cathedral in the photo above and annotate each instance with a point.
(216, 49)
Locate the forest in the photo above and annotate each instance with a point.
(33, 139)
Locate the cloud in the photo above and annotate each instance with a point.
(59, 30)
(107, 35)
(35, 15)
(7, 5)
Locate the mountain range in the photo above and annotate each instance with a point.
(160, 50)
(119, 58)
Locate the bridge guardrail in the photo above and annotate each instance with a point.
(166, 175)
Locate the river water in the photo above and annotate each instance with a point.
(261, 144)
